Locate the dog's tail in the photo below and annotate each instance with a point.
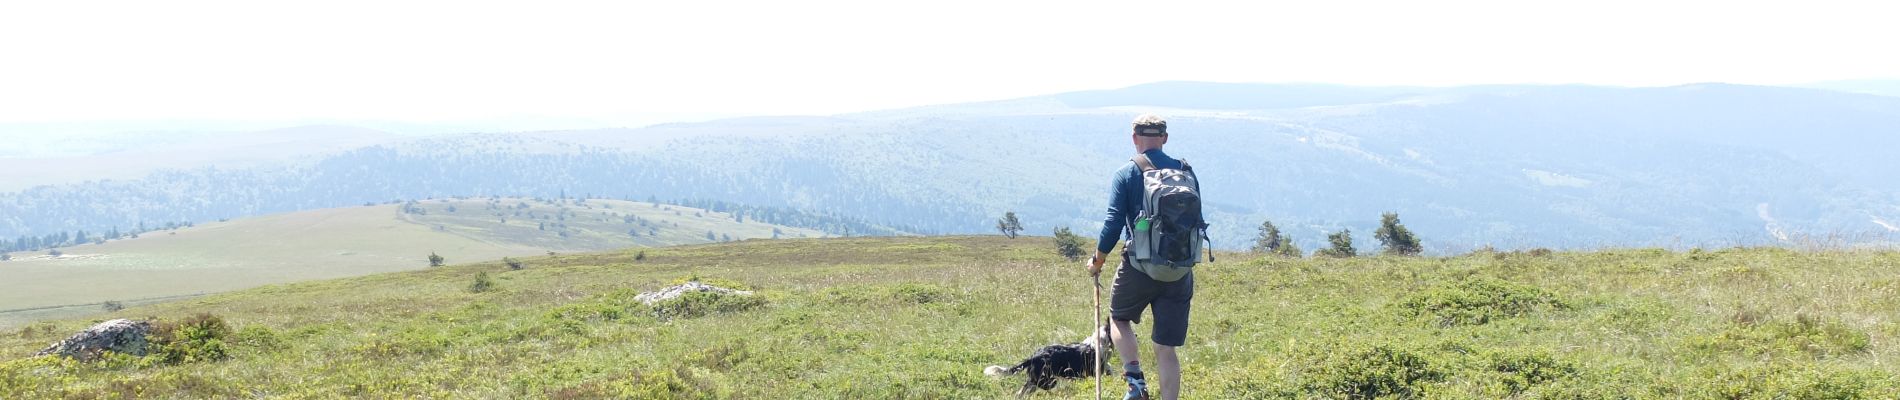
(998, 370)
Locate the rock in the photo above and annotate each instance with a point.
(119, 335)
(676, 290)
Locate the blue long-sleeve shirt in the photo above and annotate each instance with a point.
(1124, 201)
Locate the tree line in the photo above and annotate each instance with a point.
(1393, 236)
(49, 241)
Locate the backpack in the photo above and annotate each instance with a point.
(1165, 239)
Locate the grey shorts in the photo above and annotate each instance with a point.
(1134, 291)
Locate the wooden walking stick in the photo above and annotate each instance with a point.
(1100, 347)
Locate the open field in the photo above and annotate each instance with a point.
(920, 317)
(341, 242)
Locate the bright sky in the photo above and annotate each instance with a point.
(450, 60)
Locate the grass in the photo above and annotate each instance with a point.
(343, 242)
(921, 317)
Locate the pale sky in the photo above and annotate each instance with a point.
(454, 60)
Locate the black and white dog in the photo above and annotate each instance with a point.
(1058, 361)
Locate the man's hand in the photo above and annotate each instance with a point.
(1095, 263)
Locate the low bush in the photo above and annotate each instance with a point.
(1366, 373)
(1523, 369)
(198, 338)
(482, 283)
(699, 304)
(1804, 335)
(1480, 300)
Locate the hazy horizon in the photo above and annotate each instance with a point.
(622, 64)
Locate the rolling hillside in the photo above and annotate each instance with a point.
(920, 317)
(342, 242)
(1509, 166)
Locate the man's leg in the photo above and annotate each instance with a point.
(1134, 293)
(1171, 312)
(1123, 334)
(1169, 367)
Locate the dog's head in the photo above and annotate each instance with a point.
(1100, 340)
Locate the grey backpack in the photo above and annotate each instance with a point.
(1165, 239)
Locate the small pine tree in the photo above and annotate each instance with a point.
(1269, 240)
(1068, 244)
(1341, 245)
(435, 260)
(512, 263)
(1009, 225)
(1288, 249)
(642, 256)
(482, 283)
(1395, 238)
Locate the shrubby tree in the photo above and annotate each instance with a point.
(1068, 244)
(482, 283)
(1268, 241)
(435, 260)
(1009, 225)
(1288, 249)
(1396, 239)
(512, 263)
(1341, 245)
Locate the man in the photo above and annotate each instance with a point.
(1134, 290)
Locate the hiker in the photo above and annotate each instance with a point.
(1155, 269)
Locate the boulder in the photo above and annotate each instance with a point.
(119, 335)
(676, 290)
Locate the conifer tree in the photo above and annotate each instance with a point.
(1009, 225)
(1396, 239)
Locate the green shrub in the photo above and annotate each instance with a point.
(258, 337)
(1068, 244)
(677, 383)
(482, 283)
(1480, 300)
(200, 337)
(1785, 381)
(1341, 245)
(920, 293)
(512, 263)
(699, 304)
(1376, 372)
(1524, 369)
(1804, 335)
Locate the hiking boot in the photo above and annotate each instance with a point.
(1137, 386)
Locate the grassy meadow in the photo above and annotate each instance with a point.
(341, 242)
(920, 317)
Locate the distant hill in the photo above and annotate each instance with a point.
(1465, 167)
(351, 241)
(134, 155)
(1882, 87)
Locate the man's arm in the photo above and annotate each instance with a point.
(1113, 224)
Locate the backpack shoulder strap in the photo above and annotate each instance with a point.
(1141, 160)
